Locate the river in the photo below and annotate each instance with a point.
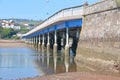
(16, 63)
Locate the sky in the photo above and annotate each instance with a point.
(35, 9)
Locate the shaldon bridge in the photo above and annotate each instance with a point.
(59, 32)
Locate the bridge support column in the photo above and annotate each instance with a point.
(43, 43)
(62, 44)
(30, 41)
(39, 43)
(67, 43)
(48, 43)
(26, 41)
(48, 49)
(67, 49)
(55, 43)
(34, 41)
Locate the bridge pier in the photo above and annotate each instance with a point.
(37, 37)
(34, 41)
(55, 43)
(67, 47)
(62, 45)
(67, 50)
(59, 42)
(43, 43)
(39, 44)
(48, 43)
(26, 40)
(30, 41)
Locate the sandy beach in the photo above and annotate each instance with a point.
(12, 43)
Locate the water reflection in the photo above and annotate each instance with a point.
(66, 63)
(48, 59)
(17, 63)
(57, 63)
(26, 62)
(43, 58)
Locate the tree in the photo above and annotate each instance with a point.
(7, 33)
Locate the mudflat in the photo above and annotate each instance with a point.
(75, 76)
(12, 43)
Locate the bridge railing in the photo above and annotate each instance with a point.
(64, 13)
(68, 12)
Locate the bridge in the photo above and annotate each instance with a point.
(99, 37)
(59, 31)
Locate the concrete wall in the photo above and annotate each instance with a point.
(99, 43)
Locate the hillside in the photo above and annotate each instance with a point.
(18, 26)
(25, 21)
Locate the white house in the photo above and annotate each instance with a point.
(10, 24)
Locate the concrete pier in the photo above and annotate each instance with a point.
(67, 47)
(48, 43)
(55, 42)
(43, 44)
(39, 44)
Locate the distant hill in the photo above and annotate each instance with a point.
(25, 21)
(25, 24)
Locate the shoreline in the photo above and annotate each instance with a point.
(12, 43)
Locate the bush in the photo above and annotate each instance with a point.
(7, 33)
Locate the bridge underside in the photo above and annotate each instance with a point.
(61, 33)
(57, 26)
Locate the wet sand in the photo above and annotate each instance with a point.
(11, 43)
(75, 76)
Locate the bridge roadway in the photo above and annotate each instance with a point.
(61, 30)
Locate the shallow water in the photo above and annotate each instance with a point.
(18, 63)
